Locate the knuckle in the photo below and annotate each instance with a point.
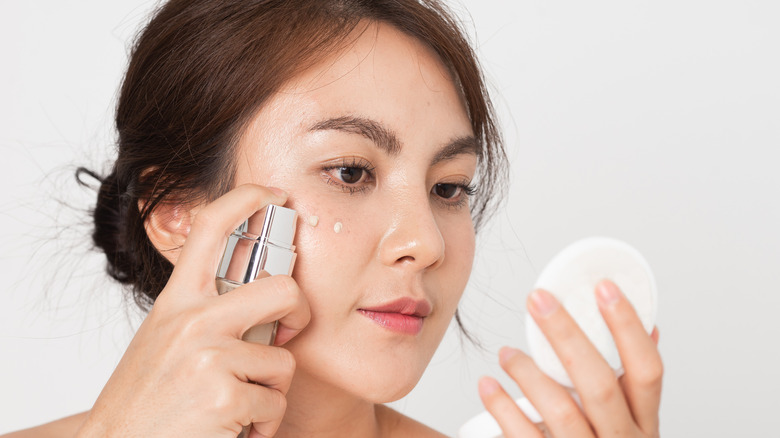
(650, 374)
(285, 288)
(246, 187)
(603, 393)
(271, 404)
(274, 404)
(203, 218)
(250, 190)
(565, 414)
(206, 221)
(223, 400)
(280, 402)
(567, 332)
(206, 359)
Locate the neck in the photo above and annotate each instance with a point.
(316, 409)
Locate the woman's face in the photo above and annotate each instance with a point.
(374, 140)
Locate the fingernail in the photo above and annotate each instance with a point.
(487, 386)
(277, 191)
(543, 302)
(506, 353)
(607, 293)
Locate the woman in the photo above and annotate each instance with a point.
(372, 117)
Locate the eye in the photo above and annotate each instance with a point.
(447, 191)
(350, 175)
(453, 195)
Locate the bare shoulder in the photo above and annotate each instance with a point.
(64, 427)
(395, 424)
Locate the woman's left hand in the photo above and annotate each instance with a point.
(611, 406)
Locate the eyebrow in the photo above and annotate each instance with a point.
(386, 139)
(461, 145)
(372, 130)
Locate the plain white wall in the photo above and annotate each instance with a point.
(654, 122)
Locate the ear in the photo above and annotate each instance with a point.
(168, 226)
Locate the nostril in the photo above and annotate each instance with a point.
(412, 243)
(408, 258)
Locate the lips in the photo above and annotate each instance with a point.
(405, 315)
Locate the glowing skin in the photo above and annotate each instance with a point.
(410, 230)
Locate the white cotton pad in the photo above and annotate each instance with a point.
(572, 276)
(485, 426)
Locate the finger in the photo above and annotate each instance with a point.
(598, 387)
(506, 412)
(655, 336)
(264, 301)
(560, 413)
(272, 367)
(638, 352)
(264, 409)
(199, 259)
(254, 431)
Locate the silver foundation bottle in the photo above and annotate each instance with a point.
(260, 247)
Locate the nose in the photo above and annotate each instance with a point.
(412, 238)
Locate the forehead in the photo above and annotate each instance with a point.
(379, 49)
(381, 74)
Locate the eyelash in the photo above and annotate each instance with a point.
(467, 189)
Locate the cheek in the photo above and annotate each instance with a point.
(459, 241)
(330, 253)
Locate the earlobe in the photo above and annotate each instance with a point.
(167, 227)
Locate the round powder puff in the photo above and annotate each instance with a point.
(572, 276)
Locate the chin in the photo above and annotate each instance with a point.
(388, 378)
(363, 372)
(385, 390)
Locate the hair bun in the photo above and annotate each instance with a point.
(110, 217)
(120, 233)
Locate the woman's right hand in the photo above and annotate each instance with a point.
(187, 372)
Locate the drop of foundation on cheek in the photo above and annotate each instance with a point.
(313, 221)
(337, 227)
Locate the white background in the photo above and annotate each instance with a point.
(654, 122)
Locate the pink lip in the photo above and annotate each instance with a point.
(404, 315)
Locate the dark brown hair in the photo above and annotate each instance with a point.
(201, 69)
